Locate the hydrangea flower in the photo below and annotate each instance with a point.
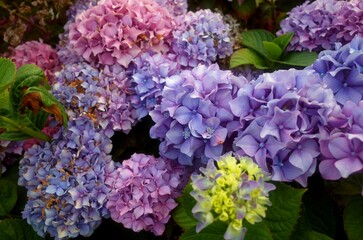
(201, 37)
(194, 117)
(10, 151)
(175, 7)
(231, 190)
(342, 70)
(117, 31)
(148, 79)
(100, 95)
(65, 181)
(38, 53)
(143, 192)
(318, 25)
(281, 116)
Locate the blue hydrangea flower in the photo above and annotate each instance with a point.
(65, 181)
(175, 7)
(201, 37)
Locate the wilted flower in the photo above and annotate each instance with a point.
(143, 192)
(175, 7)
(342, 70)
(65, 181)
(194, 115)
(318, 25)
(231, 190)
(38, 53)
(117, 31)
(201, 37)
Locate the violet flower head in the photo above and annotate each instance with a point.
(65, 181)
(117, 31)
(38, 53)
(201, 37)
(318, 25)
(175, 7)
(195, 114)
(342, 70)
(143, 192)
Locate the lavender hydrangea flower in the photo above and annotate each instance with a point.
(38, 53)
(342, 70)
(282, 115)
(65, 181)
(148, 79)
(194, 116)
(226, 191)
(201, 37)
(318, 25)
(116, 31)
(100, 95)
(143, 192)
(175, 7)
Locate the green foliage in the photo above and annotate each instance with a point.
(353, 218)
(214, 231)
(16, 229)
(8, 197)
(26, 102)
(264, 50)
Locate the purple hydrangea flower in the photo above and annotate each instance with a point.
(175, 7)
(201, 37)
(318, 25)
(143, 192)
(65, 181)
(194, 117)
(281, 117)
(118, 31)
(342, 70)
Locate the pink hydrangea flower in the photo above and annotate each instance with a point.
(117, 31)
(38, 53)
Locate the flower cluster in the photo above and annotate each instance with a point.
(318, 25)
(281, 114)
(9, 153)
(148, 79)
(201, 37)
(116, 31)
(230, 190)
(65, 181)
(142, 193)
(194, 117)
(175, 7)
(38, 53)
(101, 96)
(342, 70)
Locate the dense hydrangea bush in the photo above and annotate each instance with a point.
(319, 24)
(65, 181)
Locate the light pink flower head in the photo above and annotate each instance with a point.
(38, 53)
(120, 30)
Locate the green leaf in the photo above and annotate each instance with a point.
(247, 56)
(7, 73)
(353, 218)
(272, 50)
(283, 215)
(244, 10)
(17, 229)
(8, 196)
(214, 231)
(283, 40)
(311, 235)
(258, 231)
(254, 39)
(301, 59)
(183, 215)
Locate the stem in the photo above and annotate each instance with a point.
(25, 129)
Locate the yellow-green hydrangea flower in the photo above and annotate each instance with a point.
(231, 190)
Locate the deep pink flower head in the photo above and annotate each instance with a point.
(120, 30)
(142, 193)
(38, 53)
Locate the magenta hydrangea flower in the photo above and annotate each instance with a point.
(281, 116)
(342, 70)
(194, 117)
(65, 181)
(201, 37)
(117, 31)
(318, 25)
(143, 192)
(38, 53)
(175, 7)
